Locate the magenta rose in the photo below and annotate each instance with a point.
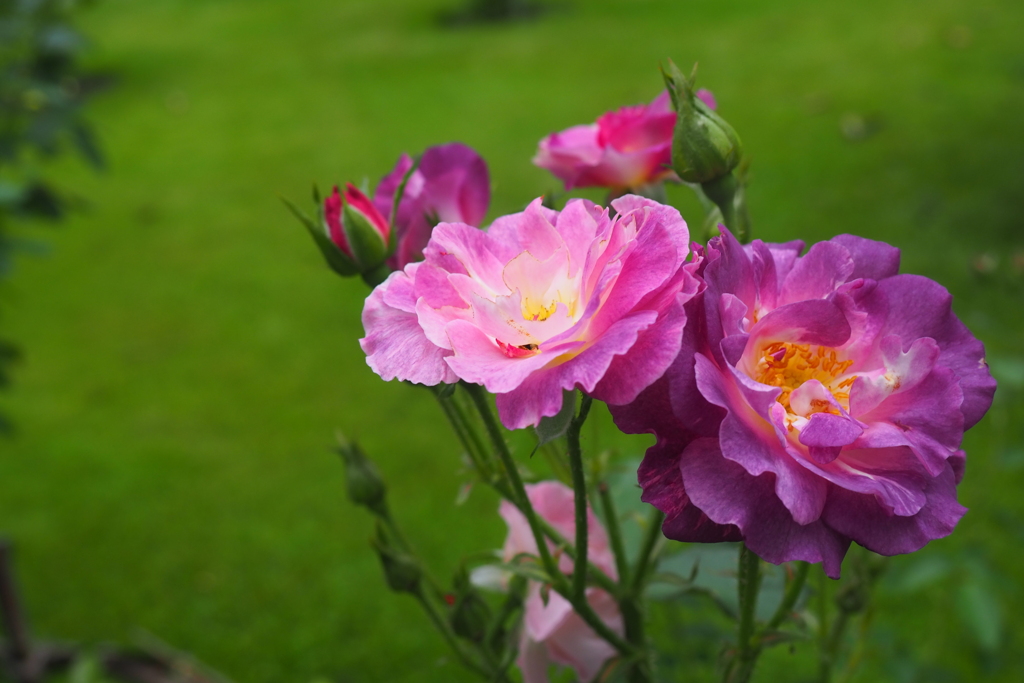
(541, 302)
(818, 399)
(450, 185)
(624, 149)
(552, 632)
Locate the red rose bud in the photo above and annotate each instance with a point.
(357, 228)
(352, 234)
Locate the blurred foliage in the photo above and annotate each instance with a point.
(42, 90)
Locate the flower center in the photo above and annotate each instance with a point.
(536, 310)
(788, 366)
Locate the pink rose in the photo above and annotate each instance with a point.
(539, 303)
(820, 398)
(450, 185)
(554, 633)
(624, 149)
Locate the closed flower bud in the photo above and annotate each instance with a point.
(704, 146)
(351, 233)
(365, 486)
(471, 615)
(356, 227)
(402, 572)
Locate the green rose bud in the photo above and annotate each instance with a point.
(363, 480)
(471, 615)
(401, 571)
(704, 146)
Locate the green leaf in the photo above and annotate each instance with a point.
(921, 573)
(336, 259)
(551, 428)
(979, 610)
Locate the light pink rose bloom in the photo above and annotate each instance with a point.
(451, 185)
(624, 149)
(539, 303)
(554, 633)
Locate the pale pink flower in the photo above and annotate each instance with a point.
(539, 303)
(553, 633)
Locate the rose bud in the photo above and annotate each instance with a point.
(356, 228)
(401, 570)
(363, 481)
(704, 146)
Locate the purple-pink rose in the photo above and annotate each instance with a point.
(624, 149)
(818, 400)
(543, 301)
(553, 633)
(450, 185)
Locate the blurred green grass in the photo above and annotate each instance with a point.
(188, 357)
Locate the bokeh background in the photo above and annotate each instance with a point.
(187, 356)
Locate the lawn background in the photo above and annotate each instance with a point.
(188, 357)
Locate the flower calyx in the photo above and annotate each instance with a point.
(704, 146)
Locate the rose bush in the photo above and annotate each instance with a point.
(817, 399)
(541, 302)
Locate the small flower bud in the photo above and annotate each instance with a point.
(471, 615)
(356, 227)
(401, 571)
(364, 483)
(704, 146)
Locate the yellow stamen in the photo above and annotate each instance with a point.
(788, 366)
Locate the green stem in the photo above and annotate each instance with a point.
(824, 663)
(472, 428)
(468, 660)
(834, 640)
(792, 594)
(730, 197)
(462, 433)
(520, 498)
(470, 439)
(522, 501)
(643, 562)
(611, 521)
(579, 486)
(377, 275)
(749, 586)
(593, 572)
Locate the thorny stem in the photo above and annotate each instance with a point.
(560, 584)
(446, 631)
(593, 572)
(825, 663)
(579, 486)
(749, 586)
(464, 429)
(651, 539)
(796, 584)
(611, 520)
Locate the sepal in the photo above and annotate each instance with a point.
(704, 146)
